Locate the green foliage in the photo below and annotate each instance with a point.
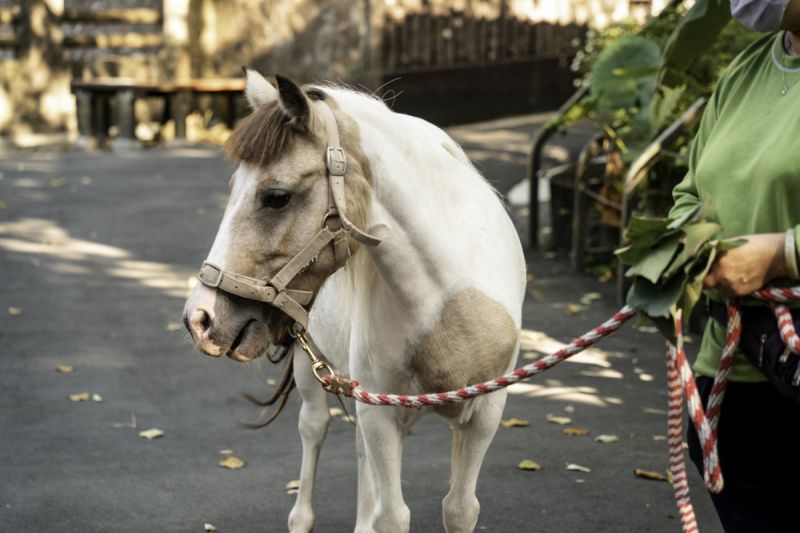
(669, 260)
(695, 33)
(624, 75)
(633, 102)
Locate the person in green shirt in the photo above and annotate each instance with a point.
(745, 161)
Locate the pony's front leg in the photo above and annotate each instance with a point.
(460, 507)
(383, 433)
(313, 425)
(366, 491)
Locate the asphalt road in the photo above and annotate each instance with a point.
(95, 253)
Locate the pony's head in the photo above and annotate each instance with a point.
(280, 199)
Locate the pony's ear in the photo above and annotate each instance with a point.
(257, 89)
(293, 101)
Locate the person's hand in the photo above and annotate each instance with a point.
(747, 268)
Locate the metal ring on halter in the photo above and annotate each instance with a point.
(330, 214)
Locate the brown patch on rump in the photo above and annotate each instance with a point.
(262, 136)
(474, 341)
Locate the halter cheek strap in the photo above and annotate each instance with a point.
(275, 291)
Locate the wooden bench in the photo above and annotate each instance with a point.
(95, 97)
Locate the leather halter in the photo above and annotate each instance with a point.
(274, 291)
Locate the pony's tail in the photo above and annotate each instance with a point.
(283, 389)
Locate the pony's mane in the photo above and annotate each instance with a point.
(262, 136)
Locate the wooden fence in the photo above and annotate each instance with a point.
(424, 41)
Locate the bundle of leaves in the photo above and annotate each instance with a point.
(669, 259)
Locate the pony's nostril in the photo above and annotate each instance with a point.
(199, 323)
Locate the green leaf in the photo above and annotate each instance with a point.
(655, 300)
(630, 53)
(643, 234)
(729, 244)
(695, 237)
(663, 105)
(694, 285)
(652, 266)
(693, 215)
(694, 35)
(635, 72)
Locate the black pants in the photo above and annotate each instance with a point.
(759, 449)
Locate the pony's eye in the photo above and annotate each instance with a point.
(276, 198)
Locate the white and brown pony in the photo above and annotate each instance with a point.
(435, 306)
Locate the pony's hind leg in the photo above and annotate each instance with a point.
(460, 507)
(313, 426)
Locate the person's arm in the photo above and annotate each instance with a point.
(685, 194)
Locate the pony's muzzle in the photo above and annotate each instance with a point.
(198, 322)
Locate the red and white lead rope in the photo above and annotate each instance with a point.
(680, 381)
(352, 388)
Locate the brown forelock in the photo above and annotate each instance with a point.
(267, 134)
(262, 136)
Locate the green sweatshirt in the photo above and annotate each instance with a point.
(745, 160)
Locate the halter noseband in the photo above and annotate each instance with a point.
(274, 291)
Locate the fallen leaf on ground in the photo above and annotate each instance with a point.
(589, 297)
(336, 411)
(606, 438)
(152, 433)
(97, 398)
(574, 309)
(86, 180)
(527, 464)
(578, 468)
(649, 474)
(575, 431)
(14, 311)
(293, 484)
(209, 527)
(569, 409)
(79, 397)
(605, 277)
(271, 382)
(3, 205)
(659, 437)
(57, 182)
(231, 462)
(173, 326)
(579, 480)
(349, 418)
(560, 420)
(65, 369)
(226, 451)
(514, 423)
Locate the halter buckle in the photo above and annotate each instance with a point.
(213, 284)
(336, 161)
